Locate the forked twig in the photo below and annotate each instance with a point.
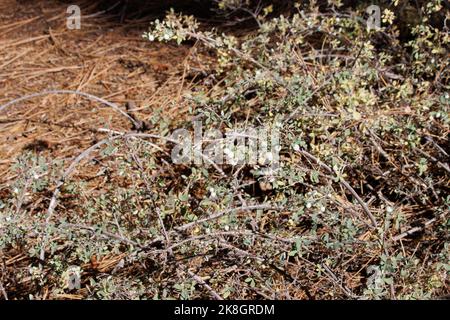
(417, 229)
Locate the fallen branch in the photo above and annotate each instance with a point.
(416, 229)
(213, 293)
(74, 164)
(83, 94)
(61, 182)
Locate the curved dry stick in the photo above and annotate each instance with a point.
(211, 162)
(83, 94)
(61, 182)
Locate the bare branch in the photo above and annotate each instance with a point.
(83, 94)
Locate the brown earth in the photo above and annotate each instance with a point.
(106, 58)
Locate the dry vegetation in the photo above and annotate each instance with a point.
(357, 210)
